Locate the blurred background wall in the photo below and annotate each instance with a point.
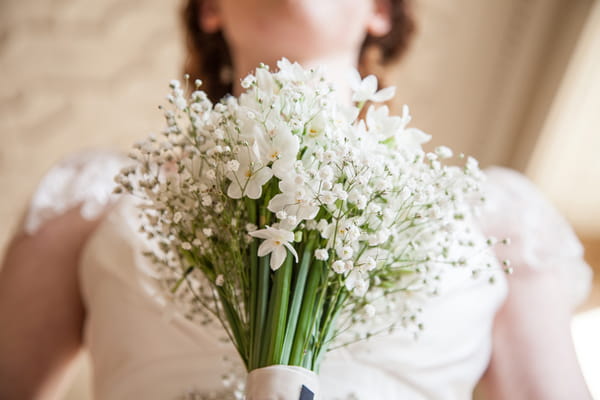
(512, 82)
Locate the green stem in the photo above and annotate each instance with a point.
(252, 298)
(236, 327)
(316, 323)
(261, 311)
(328, 330)
(278, 310)
(297, 298)
(307, 314)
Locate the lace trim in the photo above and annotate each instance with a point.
(84, 179)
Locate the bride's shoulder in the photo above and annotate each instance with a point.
(541, 237)
(82, 181)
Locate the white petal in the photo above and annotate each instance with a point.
(261, 177)
(277, 257)
(287, 236)
(418, 135)
(354, 78)
(262, 234)
(266, 247)
(384, 94)
(253, 191)
(280, 201)
(234, 191)
(307, 212)
(282, 168)
(369, 84)
(292, 250)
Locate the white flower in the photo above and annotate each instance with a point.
(293, 200)
(326, 173)
(232, 166)
(186, 246)
(180, 103)
(327, 197)
(210, 174)
(472, 164)
(207, 232)
(329, 156)
(368, 264)
(348, 265)
(381, 124)
(220, 280)
(355, 282)
(366, 89)
(206, 200)
(339, 191)
(338, 266)
(291, 71)
(443, 152)
(281, 214)
(276, 241)
(291, 220)
(370, 310)
(282, 149)
(358, 199)
(410, 139)
(345, 252)
(177, 217)
(321, 254)
(248, 81)
(248, 179)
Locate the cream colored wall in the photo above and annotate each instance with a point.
(74, 75)
(566, 163)
(474, 68)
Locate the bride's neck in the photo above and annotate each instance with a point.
(336, 69)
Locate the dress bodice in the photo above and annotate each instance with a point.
(141, 348)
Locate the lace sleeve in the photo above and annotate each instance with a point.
(84, 179)
(540, 236)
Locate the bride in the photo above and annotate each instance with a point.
(74, 276)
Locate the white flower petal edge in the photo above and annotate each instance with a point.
(274, 242)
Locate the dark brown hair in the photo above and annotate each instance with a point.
(208, 55)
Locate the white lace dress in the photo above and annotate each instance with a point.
(141, 350)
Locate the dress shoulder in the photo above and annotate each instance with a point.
(84, 179)
(540, 236)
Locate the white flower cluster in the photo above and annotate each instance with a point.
(286, 160)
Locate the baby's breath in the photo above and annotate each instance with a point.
(284, 168)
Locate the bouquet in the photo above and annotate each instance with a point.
(298, 222)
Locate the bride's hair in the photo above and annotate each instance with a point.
(209, 59)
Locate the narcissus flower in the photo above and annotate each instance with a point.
(275, 243)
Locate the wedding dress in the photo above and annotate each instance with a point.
(141, 349)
